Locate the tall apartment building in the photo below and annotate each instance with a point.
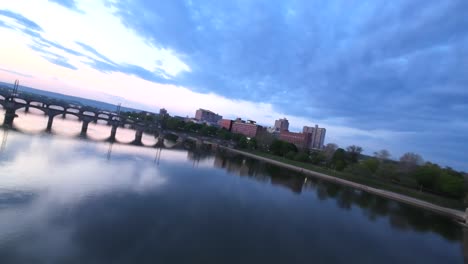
(301, 140)
(247, 128)
(281, 124)
(207, 116)
(317, 136)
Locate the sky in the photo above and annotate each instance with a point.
(378, 74)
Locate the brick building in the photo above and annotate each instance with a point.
(301, 140)
(247, 128)
(226, 124)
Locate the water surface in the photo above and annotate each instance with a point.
(65, 200)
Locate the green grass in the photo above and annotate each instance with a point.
(369, 181)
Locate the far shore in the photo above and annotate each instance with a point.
(457, 215)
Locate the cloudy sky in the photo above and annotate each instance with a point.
(379, 74)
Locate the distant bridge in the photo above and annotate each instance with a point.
(13, 101)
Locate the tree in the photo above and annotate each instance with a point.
(353, 153)
(410, 161)
(252, 143)
(288, 147)
(388, 170)
(224, 134)
(452, 185)
(281, 148)
(317, 157)
(205, 131)
(382, 154)
(338, 160)
(174, 124)
(371, 164)
(427, 175)
(242, 143)
(329, 150)
(276, 147)
(302, 157)
(290, 155)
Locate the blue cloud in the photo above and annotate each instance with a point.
(60, 61)
(376, 66)
(20, 19)
(5, 25)
(94, 51)
(371, 65)
(70, 4)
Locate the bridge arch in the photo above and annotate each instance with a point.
(73, 110)
(36, 103)
(57, 107)
(89, 113)
(20, 100)
(33, 121)
(125, 135)
(149, 139)
(99, 130)
(103, 116)
(32, 109)
(71, 125)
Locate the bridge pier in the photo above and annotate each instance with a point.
(9, 116)
(113, 132)
(84, 129)
(49, 123)
(138, 137)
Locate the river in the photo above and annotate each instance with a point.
(67, 200)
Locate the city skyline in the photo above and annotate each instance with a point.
(375, 75)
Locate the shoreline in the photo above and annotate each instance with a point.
(460, 216)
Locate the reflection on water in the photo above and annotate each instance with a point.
(69, 125)
(69, 201)
(34, 121)
(99, 130)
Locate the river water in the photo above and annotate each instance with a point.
(66, 200)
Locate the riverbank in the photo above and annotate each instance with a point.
(449, 212)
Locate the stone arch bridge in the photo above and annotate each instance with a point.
(12, 102)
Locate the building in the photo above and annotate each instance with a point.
(247, 128)
(301, 140)
(207, 116)
(317, 136)
(281, 124)
(226, 124)
(163, 112)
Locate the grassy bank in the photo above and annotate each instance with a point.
(369, 181)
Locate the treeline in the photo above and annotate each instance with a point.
(142, 116)
(409, 170)
(176, 124)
